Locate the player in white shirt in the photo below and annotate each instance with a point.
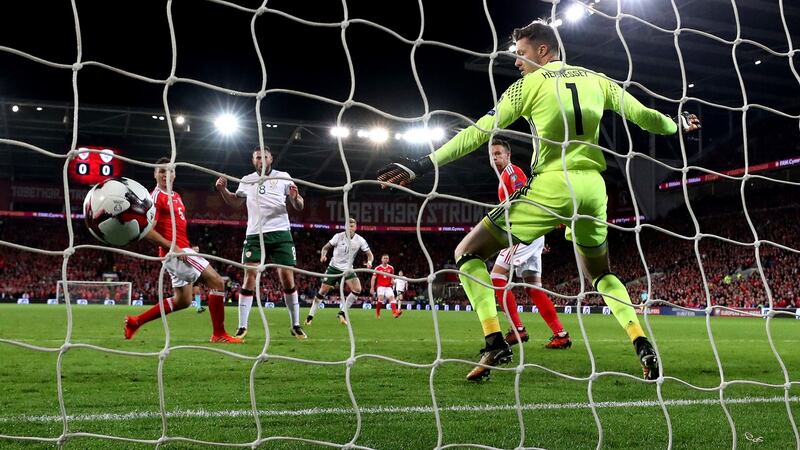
(400, 286)
(345, 246)
(267, 218)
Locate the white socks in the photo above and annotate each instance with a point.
(348, 302)
(293, 305)
(245, 303)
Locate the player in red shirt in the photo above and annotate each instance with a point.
(185, 269)
(527, 261)
(384, 288)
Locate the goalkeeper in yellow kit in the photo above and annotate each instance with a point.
(562, 104)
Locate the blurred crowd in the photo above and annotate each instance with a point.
(672, 252)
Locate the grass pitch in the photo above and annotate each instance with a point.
(301, 389)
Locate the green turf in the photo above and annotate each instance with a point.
(195, 380)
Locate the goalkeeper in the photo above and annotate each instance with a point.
(550, 95)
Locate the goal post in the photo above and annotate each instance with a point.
(94, 292)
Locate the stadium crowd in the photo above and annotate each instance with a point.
(730, 269)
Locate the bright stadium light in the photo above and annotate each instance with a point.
(691, 85)
(758, 62)
(160, 117)
(341, 132)
(39, 108)
(362, 133)
(574, 12)
(557, 23)
(180, 120)
(378, 135)
(226, 124)
(422, 135)
(15, 108)
(512, 48)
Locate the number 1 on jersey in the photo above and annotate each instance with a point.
(576, 105)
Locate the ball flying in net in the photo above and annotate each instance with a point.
(119, 211)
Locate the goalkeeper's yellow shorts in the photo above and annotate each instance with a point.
(534, 210)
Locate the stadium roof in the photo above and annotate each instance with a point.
(214, 46)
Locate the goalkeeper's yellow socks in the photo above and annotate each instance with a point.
(481, 297)
(616, 297)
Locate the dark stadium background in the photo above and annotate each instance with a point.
(214, 46)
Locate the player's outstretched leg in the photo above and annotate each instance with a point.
(132, 323)
(130, 327)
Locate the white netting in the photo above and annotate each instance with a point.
(522, 365)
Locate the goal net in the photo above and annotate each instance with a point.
(93, 292)
(702, 227)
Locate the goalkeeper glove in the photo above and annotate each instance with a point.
(404, 172)
(687, 121)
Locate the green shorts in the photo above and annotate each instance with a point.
(535, 208)
(332, 279)
(278, 246)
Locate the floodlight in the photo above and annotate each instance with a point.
(15, 108)
(341, 132)
(180, 120)
(378, 135)
(574, 12)
(422, 135)
(226, 124)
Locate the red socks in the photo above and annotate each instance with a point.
(216, 308)
(394, 308)
(510, 303)
(155, 312)
(378, 309)
(546, 309)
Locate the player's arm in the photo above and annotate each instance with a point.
(323, 254)
(519, 179)
(295, 199)
(370, 258)
(230, 198)
(646, 118)
(372, 283)
(157, 238)
(513, 103)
